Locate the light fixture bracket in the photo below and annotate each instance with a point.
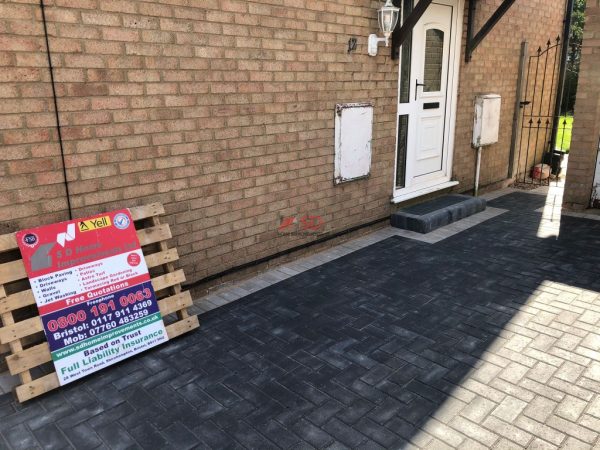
(388, 16)
(373, 43)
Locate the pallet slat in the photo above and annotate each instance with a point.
(12, 271)
(153, 235)
(159, 258)
(29, 358)
(182, 326)
(8, 242)
(168, 280)
(15, 346)
(18, 330)
(175, 303)
(40, 386)
(29, 331)
(16, 301)
(147, 211)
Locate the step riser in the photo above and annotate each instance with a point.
(465, 206)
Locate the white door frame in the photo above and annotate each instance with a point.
(444, 181)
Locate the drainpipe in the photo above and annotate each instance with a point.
(477, 172)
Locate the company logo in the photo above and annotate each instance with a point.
(69, 235)
(121, 221)
(301, 224)
(94, 224)
(30, 240)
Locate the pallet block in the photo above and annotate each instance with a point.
(21, 330)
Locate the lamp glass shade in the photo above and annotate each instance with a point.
(388, 18)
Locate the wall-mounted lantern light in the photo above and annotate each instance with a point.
(388, 16)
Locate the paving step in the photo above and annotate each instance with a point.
(433, 214)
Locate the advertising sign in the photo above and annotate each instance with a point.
(93, 291)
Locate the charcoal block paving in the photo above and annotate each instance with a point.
(359, 352)
(433, 214)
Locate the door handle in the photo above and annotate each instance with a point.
(417, 84)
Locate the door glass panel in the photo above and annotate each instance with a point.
(405, 58)
(434, 56)
(401, 151)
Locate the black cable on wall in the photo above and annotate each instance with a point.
(281, 253)
(60, 140)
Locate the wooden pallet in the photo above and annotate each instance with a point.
(21, 330)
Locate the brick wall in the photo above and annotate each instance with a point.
(224, 112)
(586, 122)
(494, 69)
(29, 168)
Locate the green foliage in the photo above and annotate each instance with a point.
(574, 57)
(563, 135)
(578, 22)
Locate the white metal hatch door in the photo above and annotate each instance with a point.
(426, 91)
(353, 135)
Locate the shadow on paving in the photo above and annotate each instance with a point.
(358, 352)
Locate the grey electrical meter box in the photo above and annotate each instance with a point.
(486, 124)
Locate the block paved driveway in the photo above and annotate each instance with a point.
(489, 338)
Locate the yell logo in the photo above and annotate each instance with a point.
(94, 224)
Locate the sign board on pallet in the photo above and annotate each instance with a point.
(93, 291)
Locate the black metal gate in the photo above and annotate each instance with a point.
(538, 161)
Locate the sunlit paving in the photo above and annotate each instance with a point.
(538, 376)
(551, 212)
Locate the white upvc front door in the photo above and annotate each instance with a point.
(427, 101)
